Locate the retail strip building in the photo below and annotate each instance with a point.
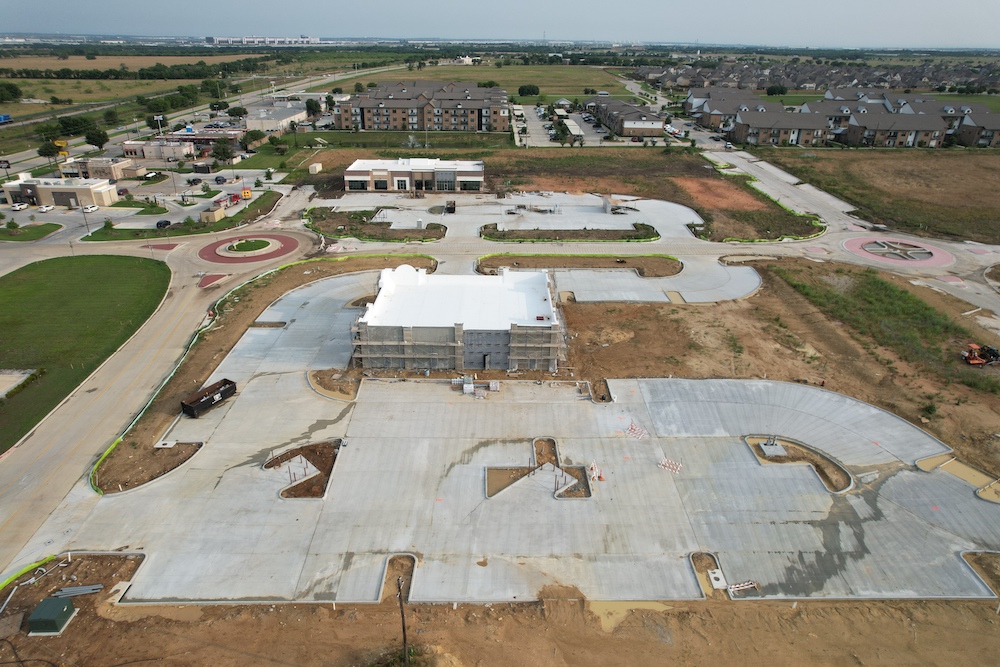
(431, 322)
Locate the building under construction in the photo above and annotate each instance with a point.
(421, 322)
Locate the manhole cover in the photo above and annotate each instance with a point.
(898, 250)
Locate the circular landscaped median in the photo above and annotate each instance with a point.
(248, 245)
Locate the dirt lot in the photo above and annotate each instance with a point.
(561, 629)
(932, 193)
(650, 266)
(135, 461)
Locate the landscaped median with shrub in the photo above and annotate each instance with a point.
(639, 232)
(262, 205)
(67, 315)
(360, 225)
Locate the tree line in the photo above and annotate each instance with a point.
(198, 70)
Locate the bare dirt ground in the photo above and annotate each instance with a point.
(650, 266)
(134, 461)
(833, 476)
(716, 193)
(322, 455)
(561, 629)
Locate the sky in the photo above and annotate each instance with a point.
(797, 23)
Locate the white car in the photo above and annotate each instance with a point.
(91, 209)
(46, 208)
(18, 207)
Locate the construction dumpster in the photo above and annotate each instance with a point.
(196, 404)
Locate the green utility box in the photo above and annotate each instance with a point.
(50, 616)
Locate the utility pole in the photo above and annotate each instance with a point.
(402, 618)
(159, 129)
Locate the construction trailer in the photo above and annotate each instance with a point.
(429, 322)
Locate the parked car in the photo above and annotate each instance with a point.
(162, 224)
(18, 207)
(91, 209)
(194, 181)
(220, 180)
(46, 208)
(636, 140)
(729, 145)
(122, 192)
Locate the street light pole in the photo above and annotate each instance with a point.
(159, 128)
(85, 223)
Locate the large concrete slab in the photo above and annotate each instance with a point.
(411, 479)
(702, 280)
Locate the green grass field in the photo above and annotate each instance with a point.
(67, 315)
(991, 101)
(553, 81)
(894, 318)
(28, 232)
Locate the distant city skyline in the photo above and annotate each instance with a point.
(871, 24)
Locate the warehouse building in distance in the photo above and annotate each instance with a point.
(410, 174)
(431, 322)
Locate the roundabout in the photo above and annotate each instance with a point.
(245, 249)
(896, 251)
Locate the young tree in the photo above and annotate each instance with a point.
(48, 150)
(110, 116)
(97, 138)
(358, 87)
(237, 112)
(221, 105)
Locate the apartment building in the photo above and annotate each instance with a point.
(779, 128)
(457, 106)
(624, 119)
(896, 130)
(979, 131)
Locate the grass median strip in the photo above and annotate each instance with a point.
(28, 232)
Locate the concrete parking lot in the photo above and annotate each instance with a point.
(410, 479)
